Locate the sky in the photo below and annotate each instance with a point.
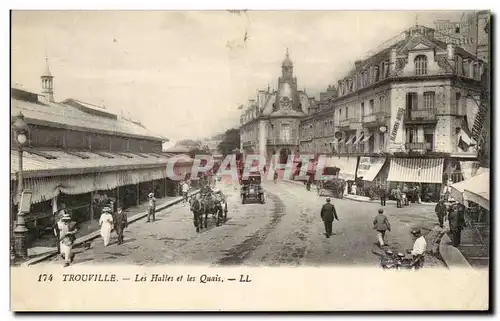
(183, 73)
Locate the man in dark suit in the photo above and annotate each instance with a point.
(383, 195)
(457, 223)
(328, 214)
(440, 210)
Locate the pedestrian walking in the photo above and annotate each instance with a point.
(66, 230)
(399, 197)
(328, 214)
(151, 206)
(419, 248)
(440, 210)
(106, 223)
(457, 223)
(381, 225)
(121, 223)
(383, 195)
(185, 189)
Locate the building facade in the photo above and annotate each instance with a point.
(78, 154)
(409, 114)
(470, 33)
(270, 123)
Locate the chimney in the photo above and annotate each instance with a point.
(392, 60)
(357, 63)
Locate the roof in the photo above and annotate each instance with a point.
(403, 45)
(53, 162)
(180, 149)
(66, 116)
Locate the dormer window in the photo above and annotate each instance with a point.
(420, 65)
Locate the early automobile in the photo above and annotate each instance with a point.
(251, 189)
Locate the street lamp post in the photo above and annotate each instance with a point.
(21, 129)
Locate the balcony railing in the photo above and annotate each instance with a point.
(347, 122)
(375, 118)
(283, 141)
(421, 114)
(421, 146)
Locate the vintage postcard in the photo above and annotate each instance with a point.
(246, 160)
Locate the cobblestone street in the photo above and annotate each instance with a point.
(286, 230)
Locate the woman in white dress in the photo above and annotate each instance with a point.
(106, 223)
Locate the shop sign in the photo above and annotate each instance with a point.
(397, 123)
(364, 166)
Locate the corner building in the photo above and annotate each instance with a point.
(270, 123)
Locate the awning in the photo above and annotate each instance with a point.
(350, 139)
(347, 166)
(469, 168)
(369, 167)
(366, 138)
(421, 170)
(475, 189)
(358, 138)
(466, 138)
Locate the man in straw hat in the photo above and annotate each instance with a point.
(151, 206)
(328, 214)
(67, 231)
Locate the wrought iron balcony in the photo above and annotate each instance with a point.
(375, 119)
(283, 141)
(421, 146)
(421, 116)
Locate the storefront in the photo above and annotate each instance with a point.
(370, 176)
(425, 174)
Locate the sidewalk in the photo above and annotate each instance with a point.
(90, 230)
(358, 198)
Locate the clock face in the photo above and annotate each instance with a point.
(285, 102)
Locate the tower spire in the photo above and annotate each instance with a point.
(47, 82)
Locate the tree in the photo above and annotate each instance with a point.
(230, 141)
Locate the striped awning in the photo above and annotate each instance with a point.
(422, 170)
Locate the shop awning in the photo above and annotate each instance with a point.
(469, 168)
(358, 139)
(423, 170)
(369, 167)
(347, 166)
(366, 138)
(475, 189)
(350, 139)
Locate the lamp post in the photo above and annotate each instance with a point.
(21, 130)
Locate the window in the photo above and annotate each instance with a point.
(285, 131)
(362, 109)
(346, 112)
(382, 104)
(458, 97)
(420, 65)
(372, 105)
(429, 139)
(411, 103)
(457, 29)
(429, 99)
(349, 85)
(386, 69)
(412, 135)
(376, 72)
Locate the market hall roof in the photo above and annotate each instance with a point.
(43, 162)
(76, 115)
